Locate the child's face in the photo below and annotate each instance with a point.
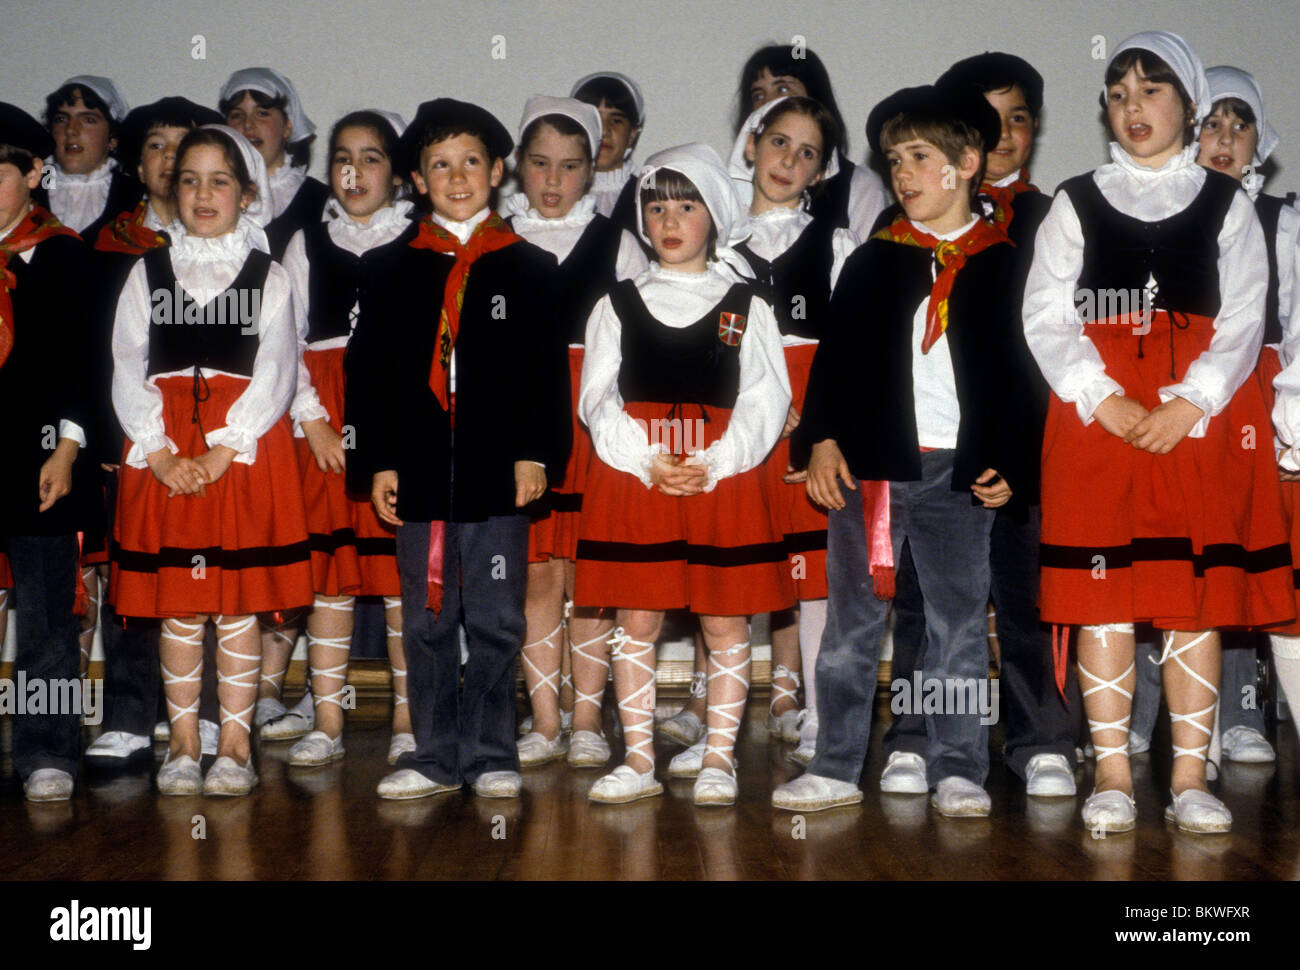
(81, 137)
(930, 188)
(1147, 118)
(269, 129)
(208, 196)
(679, 233)
(458, 176)
(361, 173)
(1018, 126)
(768, 87)
(555, 171)
(787, 158)
(158, 159)
(617, 138)
(16, 192)
(1227, 143)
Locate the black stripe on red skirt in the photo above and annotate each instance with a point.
(1226, 555)
(679, 550)
(797, 542)
(566, 501)
(171, 557)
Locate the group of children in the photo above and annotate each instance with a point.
(533, 424)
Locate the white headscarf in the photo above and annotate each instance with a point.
(393, 118)
(1182, 60)
(622, 79)
(107, 91)
(1230, 82)
(703, 166)
(742, 171)
(586, 115)
(275, 85)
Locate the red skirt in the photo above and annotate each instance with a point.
(717, 553)
(6, 574)
(555, 535)
(1269, 367)
(795, 516)
(239, 548)
(353, 552)
(1192, 540)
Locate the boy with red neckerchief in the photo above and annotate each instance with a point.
(42, 391)
(462, 416)
(912, 386)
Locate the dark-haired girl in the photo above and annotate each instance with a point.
(622, 116)
(1150, 397)
(210, 522)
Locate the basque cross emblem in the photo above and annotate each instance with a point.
(731, 327)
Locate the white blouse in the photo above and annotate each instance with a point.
(1286, 409)
(78, 200)
(285, 182)
(775, 230)
(868, 197)
(1069, 360)
(677, 300)
(204, 268)
(357, 238)
(606, 187)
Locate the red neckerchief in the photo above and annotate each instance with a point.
(127, 234)
(951, 255)
(1003, 198)
(489, 235)
(34, 228)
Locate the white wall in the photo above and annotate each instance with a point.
(345, 54)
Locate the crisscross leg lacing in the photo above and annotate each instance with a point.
(728, 689)
(277, 639)
(1101, 706)
(237, 673)
(782, 672)
(634, 683)
(396, 652)
(534, 675)
(1194, 719)
(181, 642)
(589, 659)
(333, 615)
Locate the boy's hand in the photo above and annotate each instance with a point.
(326, 445)
(1164, 426)
(991, 489)
(56, 473)
(672, 477)
(215, 462)
(826, 469)
(182, 476)
(383, 496)
(530, 482)
(791, 422)
(1119, 414)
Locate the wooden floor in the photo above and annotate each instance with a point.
(327, 824)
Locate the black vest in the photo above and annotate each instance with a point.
(798, 280)
(686, 365)
(831, 203)
(218, 340)
(1181, 252)
(338, 280)
(1269, 209)
(306, 209)
(586, 274)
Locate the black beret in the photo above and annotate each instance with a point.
(947, 103)
(18, 129)
(450, 113)
(994, 70)
(169, 112)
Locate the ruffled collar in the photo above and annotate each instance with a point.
(233, 246)
(101, 174)
(283, 185)
(526, 216)
(613, 180)
(778, 216)
(1124, 162)
(390, 215)
(463, 230)
(714, 270)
